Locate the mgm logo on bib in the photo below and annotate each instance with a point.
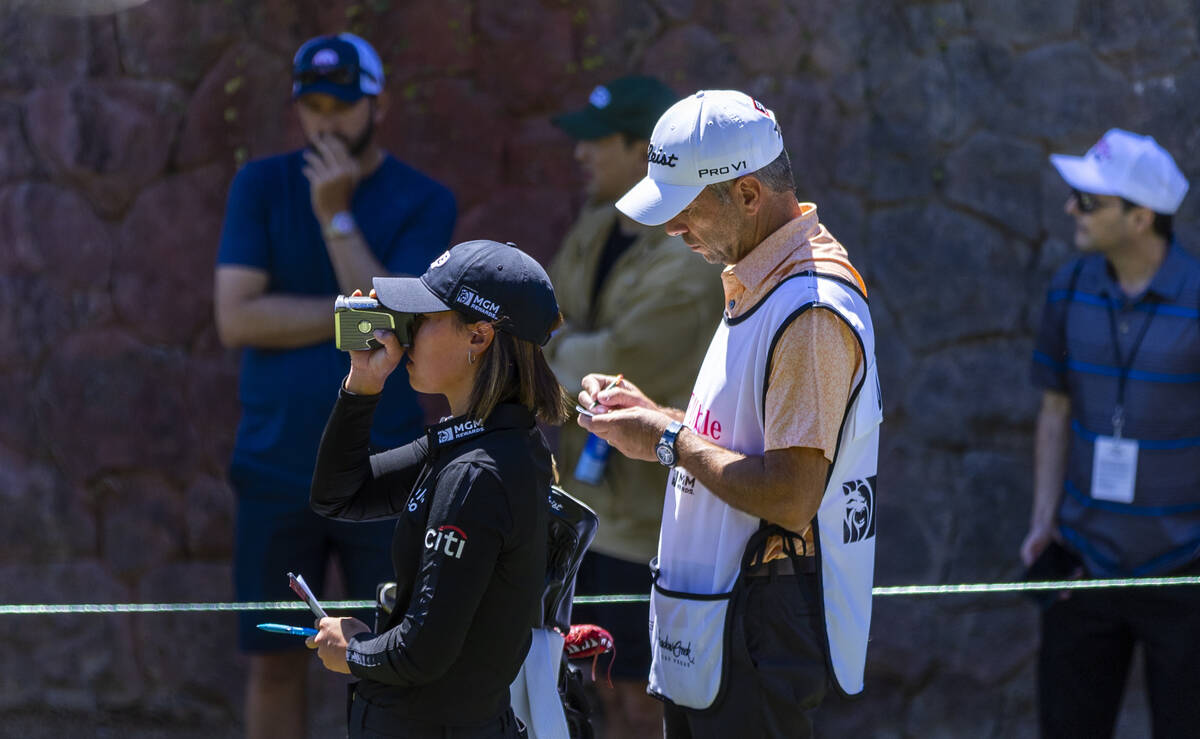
(858, 524)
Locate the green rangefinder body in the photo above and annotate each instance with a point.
(357, 318)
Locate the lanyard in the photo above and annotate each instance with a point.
(1125, 364)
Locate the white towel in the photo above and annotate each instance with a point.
(535, 697)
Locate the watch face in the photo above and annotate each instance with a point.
(342, 223)
(666, 455)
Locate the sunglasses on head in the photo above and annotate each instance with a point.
(344, 75)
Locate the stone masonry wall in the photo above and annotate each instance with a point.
(920, 128)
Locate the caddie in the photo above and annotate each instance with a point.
(762, 592)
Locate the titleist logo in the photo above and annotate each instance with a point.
(660, 157)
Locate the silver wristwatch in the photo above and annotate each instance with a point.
(341, 225)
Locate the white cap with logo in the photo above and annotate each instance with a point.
(1127, 165)
(711, 136)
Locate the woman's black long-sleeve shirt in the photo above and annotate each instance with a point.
(469, 554)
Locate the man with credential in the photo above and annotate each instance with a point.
(299, 229)
(610, 275)
(1117, 459)
(771, 495)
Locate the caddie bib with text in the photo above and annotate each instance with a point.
(703, 539)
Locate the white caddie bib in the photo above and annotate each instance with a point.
(703, 540)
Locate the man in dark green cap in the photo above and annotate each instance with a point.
(637, 302)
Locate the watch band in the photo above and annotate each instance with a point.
(665, 449)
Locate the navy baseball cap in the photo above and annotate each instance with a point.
(485, 281)
(630, 105)
(344, 66)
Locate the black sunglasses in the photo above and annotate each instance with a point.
(343, 75)
(1085, 201)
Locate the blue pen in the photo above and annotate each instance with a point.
(285, 629)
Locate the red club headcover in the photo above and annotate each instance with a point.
(590, 640)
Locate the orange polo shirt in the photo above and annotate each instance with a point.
(818, 360)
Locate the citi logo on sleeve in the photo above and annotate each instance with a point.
(859, 521)
(475, 301)
(448, 540)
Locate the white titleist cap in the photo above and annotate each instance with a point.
(1127, 165)
(712, 136)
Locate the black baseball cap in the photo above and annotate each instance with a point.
(344, 66)
(485, 281)
(630, 105)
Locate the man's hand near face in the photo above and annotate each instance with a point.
(332, 175)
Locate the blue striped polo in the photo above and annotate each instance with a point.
(1159, 531)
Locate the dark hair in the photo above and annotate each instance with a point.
(1164, 223)
(514, 370)
(776, 177)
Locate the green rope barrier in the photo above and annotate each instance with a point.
(1024, 587)
(72, 608)
(907, 590)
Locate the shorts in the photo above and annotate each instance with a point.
(628, 623)
(273, 539)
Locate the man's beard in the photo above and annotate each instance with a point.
(360, 143)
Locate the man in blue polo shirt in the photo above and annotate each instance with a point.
(1117, 457)
(301, 228)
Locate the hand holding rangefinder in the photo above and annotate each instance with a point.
(356, 318)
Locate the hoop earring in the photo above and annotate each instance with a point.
(471, 357)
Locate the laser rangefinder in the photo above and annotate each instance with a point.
(356, 318)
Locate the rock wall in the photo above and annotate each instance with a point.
(921, 129)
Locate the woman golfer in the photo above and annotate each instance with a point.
(469, 499)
